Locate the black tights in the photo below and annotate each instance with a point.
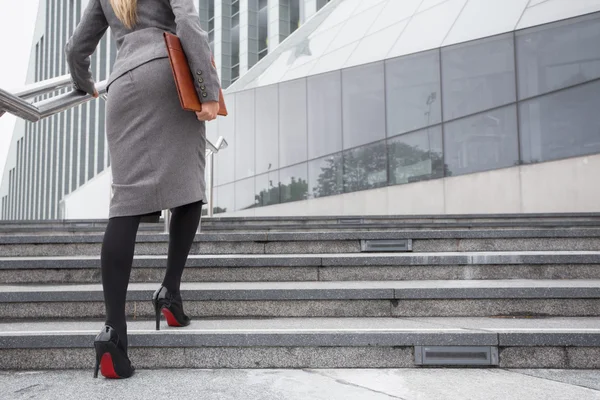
(117, 256)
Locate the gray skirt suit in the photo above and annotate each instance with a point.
(156, 148)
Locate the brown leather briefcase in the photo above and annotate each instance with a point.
(184, 80)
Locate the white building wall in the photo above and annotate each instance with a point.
(91, 200)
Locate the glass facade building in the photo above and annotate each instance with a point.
(377, 93)
(58, 155)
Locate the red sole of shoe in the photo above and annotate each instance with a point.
(171, 320)
(107, 368)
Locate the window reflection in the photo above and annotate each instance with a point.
(226, 159)
(244, 194)
(413, 92)
(326, 176)
(365, 167)
(482, 142)
(416, 156)
(478, 76)
(324, 114)
(267, 128)
(292, 122)
(224, 199)
(267, 189)
(293, 183)
(363, 104)
(557, 56)
(244, 134)
(562, 124)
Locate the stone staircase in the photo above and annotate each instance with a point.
(515, 291)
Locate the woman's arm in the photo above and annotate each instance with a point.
(82, 45)
(197, 50)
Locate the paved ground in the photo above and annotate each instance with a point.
(321, 384)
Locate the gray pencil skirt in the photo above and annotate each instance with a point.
(157, 150)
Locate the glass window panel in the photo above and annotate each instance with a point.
(244, 194)
(495, 17)
(557, 56)
(326, 176)
(244, 134)
(267, 129)
(365, 167)
(482, 142)
(293, 183)
(416, 156)
(413, 92)
(478, 76)
(324, 114)
(225, 160)
(292, 122)
(427, 30)
(562, 124)
(363, 104)
(267, 189)
(224, 199)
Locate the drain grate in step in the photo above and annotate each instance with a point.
(386, 245)
(456, 355)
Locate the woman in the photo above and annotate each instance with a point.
(156, 149)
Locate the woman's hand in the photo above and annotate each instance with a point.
(96, 94)
(209, 111)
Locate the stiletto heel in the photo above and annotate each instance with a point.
(171, 306)
(157, 314)
(97, 366)
(111, 359)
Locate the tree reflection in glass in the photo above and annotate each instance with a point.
(416, 156)
(326, 176)
(365, 167)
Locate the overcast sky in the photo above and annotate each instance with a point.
(17, 21)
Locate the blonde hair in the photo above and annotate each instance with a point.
(126, 11)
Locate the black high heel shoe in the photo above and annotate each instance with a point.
(111, 358)
(171, 306)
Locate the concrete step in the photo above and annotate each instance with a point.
(320, 299)
(311, 242)
(307, 342)
(400, 221)
(345, 223)
(317, 267)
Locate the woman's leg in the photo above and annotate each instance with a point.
(116, 260)
(183, 228)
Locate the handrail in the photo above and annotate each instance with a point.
(16, 104)
(43, 87)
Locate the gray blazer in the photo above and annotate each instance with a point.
(143, 43)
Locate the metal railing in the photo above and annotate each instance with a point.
(17, 103)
